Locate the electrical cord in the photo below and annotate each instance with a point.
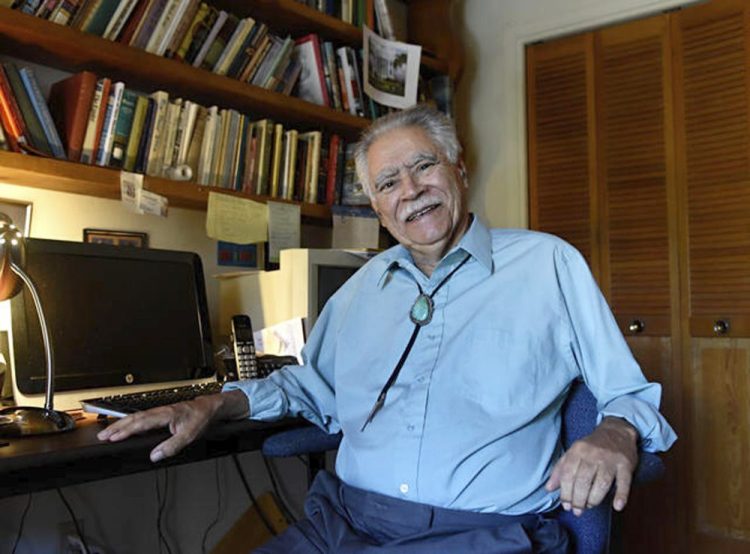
(86, 549)
(21, 524)
(252, 496)
(218, 507)
(161, 503)
(288, 515)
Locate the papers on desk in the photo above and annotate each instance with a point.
(283, 339)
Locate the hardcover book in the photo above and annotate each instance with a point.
(70, 103)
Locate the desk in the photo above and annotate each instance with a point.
(37, 463)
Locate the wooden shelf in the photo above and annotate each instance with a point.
(102, 182)
(51, 44)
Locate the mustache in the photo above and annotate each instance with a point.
(419, 205)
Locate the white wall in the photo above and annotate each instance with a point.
(491, 94)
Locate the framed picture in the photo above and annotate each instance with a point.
(115, 238)
(19, 212)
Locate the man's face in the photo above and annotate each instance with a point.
(419, 196)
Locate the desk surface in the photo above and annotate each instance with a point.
(37, 463)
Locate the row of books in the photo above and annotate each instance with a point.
(218, 41)
(333, 77)
(190, 31)
(354, 12)
(100, 122)
(388, 18)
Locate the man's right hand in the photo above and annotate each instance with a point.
(186, 421)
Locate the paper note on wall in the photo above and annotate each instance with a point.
(283, 228)
(237, 220)
(355, 228)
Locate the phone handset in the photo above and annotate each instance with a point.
(244, 347)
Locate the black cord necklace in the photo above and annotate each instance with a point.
(421, 315)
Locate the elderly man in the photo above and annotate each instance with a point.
(445, 361)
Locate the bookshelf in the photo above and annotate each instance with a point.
(43, 42)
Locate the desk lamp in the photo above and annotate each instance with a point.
(22, 421)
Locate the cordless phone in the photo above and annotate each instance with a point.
(244, 347)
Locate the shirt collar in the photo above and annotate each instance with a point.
(476, 242)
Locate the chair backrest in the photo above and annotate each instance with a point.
(589, 532)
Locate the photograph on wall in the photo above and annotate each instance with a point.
(391, 70)
(115, 238)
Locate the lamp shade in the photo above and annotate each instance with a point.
(12, 250)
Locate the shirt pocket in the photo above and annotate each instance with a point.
(504, 375)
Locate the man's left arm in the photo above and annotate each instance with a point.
(627, 404)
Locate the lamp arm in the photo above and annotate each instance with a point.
(45, 334)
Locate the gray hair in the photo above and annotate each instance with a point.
(438, 127)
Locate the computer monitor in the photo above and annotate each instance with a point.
(305, 280)
(118, 316)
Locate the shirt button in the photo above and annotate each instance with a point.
(410, 427)
(421, 379)
(404, 488)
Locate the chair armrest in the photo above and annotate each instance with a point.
(299, 441)
(650, 468)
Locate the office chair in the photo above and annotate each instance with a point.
(589, 533)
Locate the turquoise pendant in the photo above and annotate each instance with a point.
(421, 311)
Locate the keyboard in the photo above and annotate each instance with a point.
(120, 405)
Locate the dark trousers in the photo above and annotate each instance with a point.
(346, 520)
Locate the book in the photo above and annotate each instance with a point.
(70, 103)
(279, 65)
(200, 33)
(221, 18)
(34, 132)
(155, 152)
(270, 57)
(104, 149)
(123, 126)
(180, 50)
(264, 134)
(185, 129)
(334, 145)
(98, 18)
(42, 112)
(238, 168)
(332, 75)
(100, 118)
(207, 144)
(182, 28)
(237, 40)
(278, 156)
(136, 130)
(312, 80)
(196, 141)
(312, 166)
(119, 18)
(289, 79)
(251, 145)
(10, 116)
(146, 136)
(392, 17)
(167, 14)
(171, 123)
(64, 12)
(148, 23)
(246, 49)
(248, 73)
(220, 42)
(345, 76)
(134, 21)
(289, 164)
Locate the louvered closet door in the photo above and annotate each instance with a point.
(561, 139)
(639, 271)
(713, 127)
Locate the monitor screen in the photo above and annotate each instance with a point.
(330, 278)
(117, 316)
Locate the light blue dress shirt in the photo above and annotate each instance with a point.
(473, 421)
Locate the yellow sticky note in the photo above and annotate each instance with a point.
(237, 220)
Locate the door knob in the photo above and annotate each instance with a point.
(636, 326)
(721, 326)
